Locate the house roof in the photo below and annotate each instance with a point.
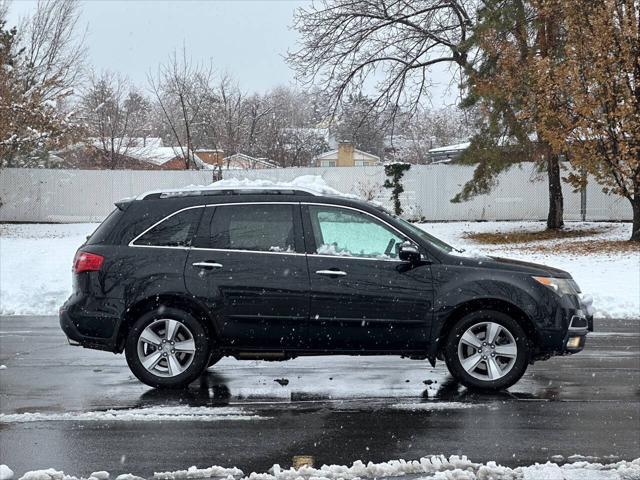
(161, 155)
(157, 155)
(451, 148)
(131, 142)
(357, 155)
(248, 158)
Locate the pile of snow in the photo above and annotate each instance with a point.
(435, 467)
(310, 183)
(148, 414)
(194, 472)
(127, 476)
(5, 472)
(45, 474)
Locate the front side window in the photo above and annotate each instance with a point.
(175, 231)
(342, 232)
(263, 228)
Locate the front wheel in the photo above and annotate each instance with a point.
(487, 350)
(167, 348)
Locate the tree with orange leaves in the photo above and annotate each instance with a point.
(510, 37)
(589, 103)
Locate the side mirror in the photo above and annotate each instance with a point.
(409, 252)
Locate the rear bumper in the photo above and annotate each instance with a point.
(89, 327)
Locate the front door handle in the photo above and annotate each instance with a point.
(332, 273)
(207, 265)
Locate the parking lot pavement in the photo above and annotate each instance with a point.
(337, 409)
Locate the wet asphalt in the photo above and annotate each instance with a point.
(335, 409)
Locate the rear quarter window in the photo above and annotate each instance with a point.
(105, 228)
(176, 230)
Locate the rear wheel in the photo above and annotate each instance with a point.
(488, 350)
(167, 348)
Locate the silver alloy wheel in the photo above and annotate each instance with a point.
(487, 351)
(166, 347)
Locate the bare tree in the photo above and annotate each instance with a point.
(180, 90)
(54, 50)
(231, 113)
(114, 114)
(256, 110)
(417, 134)
(301, 145)
(390, 44)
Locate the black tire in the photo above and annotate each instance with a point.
(471, 320)
(213, 359)
(199, 360)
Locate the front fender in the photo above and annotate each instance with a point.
(460, 289)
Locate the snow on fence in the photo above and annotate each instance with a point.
(40, 195)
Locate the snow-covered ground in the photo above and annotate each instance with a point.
(35, 263)
(435, 468)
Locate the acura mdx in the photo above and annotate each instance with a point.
(178, 279)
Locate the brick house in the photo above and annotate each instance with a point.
(140, 154)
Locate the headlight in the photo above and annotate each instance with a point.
(561, 286)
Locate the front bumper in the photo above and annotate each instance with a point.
(579, 326)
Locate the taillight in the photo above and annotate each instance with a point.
(87, 262)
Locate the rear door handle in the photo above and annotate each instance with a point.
(332, 273)
(207, 265)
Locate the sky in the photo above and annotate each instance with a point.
(246, 38)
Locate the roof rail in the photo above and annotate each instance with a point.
(241, 190)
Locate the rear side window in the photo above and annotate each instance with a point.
(174, 231)
(263, 228)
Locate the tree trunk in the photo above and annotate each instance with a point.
(555, 218)
(635, 229)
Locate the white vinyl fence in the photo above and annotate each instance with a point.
(65, 196)
(39, 195)
(520, 193)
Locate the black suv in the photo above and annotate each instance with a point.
(179, 279)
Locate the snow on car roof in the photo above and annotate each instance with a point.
(312, 184)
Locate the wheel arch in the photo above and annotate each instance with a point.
(180, 302)
(475, 305)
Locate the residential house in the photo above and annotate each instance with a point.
(346, 155)
(448, 153)
(133, 154)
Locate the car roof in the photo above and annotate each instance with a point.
(215, 195)
(239, 190)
